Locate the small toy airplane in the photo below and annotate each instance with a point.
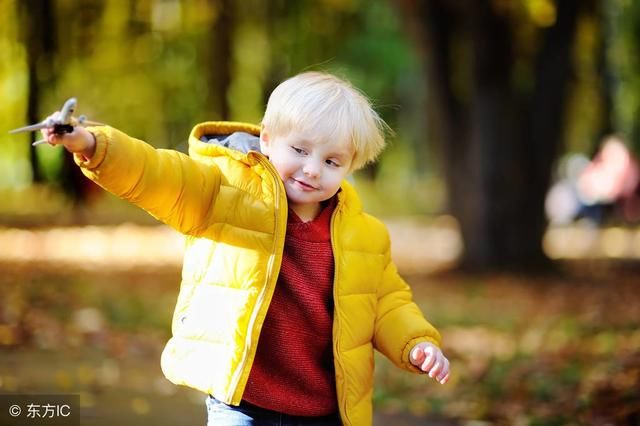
(62, 122)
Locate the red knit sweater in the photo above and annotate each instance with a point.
(293, 369)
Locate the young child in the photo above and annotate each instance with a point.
(287, 285)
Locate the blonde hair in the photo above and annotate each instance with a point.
(327, 106)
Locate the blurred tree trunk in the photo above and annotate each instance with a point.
(41, 39)
(38, 26)
(83, 16)
(219, 59)
(607, 89)
(499, 141)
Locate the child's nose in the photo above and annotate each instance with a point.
(311, 169)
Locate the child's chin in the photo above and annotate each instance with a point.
(303, 201)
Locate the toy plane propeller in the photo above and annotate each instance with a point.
(62, 122)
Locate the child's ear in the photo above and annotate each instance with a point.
(265, 141)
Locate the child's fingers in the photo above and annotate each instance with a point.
(444, 380)
(436, 366)
(45, 133)
(432, 361)
(429, 361)
(48, 133)
(444, 371)
(53, 138)
(417, 355)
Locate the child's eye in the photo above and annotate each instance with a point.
(298, 150)
(332, 163)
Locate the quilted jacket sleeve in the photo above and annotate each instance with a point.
(169, 185)
(399, 322)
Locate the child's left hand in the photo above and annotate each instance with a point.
(429, 358)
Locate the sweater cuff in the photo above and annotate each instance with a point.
(102, 143)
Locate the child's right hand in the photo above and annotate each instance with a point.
(80, 141)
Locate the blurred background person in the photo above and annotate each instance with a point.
(609, 183)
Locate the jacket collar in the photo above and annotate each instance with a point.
(348, 199)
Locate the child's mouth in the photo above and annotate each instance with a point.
(304, 186)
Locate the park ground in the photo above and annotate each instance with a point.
(552, 349)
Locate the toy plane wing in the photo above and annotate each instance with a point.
(33, 127)
(61, 122)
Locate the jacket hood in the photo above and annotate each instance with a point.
(216, 138)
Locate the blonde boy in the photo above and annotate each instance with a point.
(287, 285)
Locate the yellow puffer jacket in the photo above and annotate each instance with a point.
(233, 208)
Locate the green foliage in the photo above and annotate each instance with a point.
(15, 169)
(150, 68)
(623, 16)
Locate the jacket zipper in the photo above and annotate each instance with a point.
(342, 404)
(270, 267)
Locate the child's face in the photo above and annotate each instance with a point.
(311, 171)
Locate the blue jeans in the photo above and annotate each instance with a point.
(221, 414)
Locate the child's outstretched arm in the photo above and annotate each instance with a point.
(171, 186)
(430, 359)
